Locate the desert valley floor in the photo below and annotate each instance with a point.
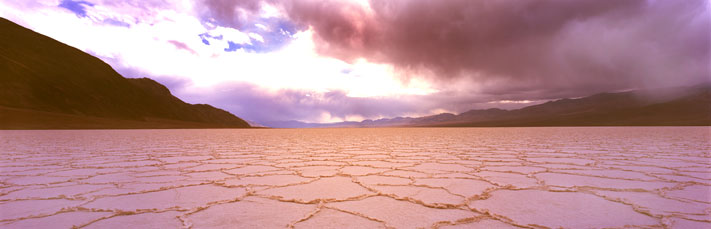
(572, 177)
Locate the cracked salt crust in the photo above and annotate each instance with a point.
(556, 209)
(357, 178)
(329, 218)
(150, 220)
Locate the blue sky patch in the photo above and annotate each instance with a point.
(275, 32)
(205, 36)
(115, 22)
(77, 7)
(232, 46)
(279, 33)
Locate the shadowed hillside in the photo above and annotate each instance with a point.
(47, 84)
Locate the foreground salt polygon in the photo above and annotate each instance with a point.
(357, 178)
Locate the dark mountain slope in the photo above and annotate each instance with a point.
(40, 74)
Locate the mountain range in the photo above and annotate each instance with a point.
(674, 106)
(45, 84)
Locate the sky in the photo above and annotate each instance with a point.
(350, 60)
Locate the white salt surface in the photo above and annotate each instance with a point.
(609, 177)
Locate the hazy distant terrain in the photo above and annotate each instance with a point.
(678, 106)
(45, 84)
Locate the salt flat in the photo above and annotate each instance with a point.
(572, 177)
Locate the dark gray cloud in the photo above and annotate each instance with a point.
(540, 49)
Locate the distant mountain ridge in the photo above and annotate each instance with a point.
(45, 84)
(677, 106)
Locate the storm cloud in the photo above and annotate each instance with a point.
(542, 47)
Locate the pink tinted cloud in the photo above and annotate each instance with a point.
(182, 46)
